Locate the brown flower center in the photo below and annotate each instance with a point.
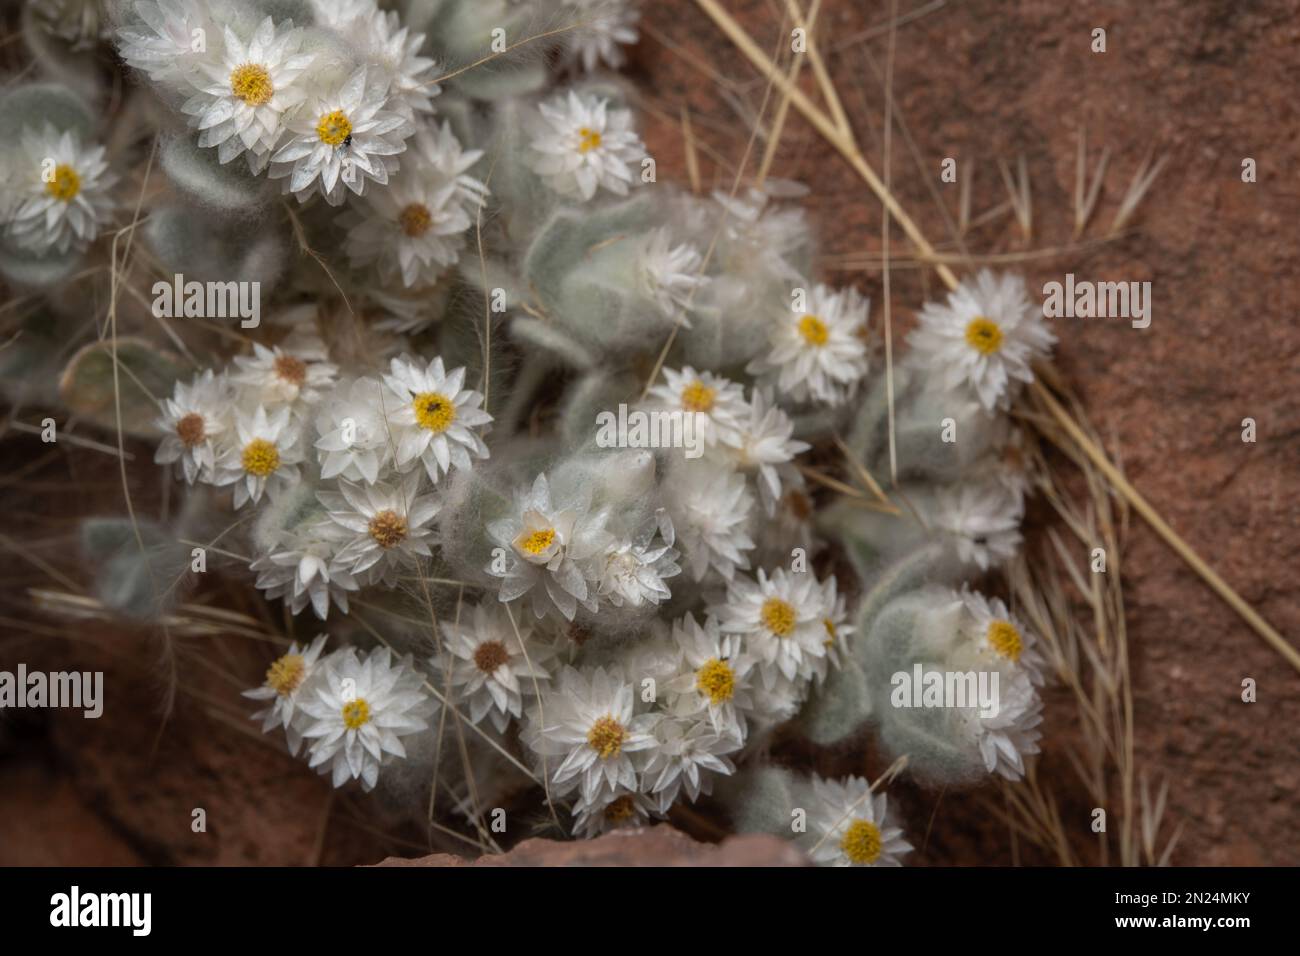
(490, 655)
(388, 528)
(290, 369)
(415, 220)
(191, 430)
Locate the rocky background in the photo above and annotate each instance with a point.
(1205, 83)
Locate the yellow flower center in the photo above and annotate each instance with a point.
(814, 330)
(861, 842)
(1005, 639)
(251, 83)
(983, 335)
(537, 541)
(260, 457)
(286, 673)
(717, 680)
(333, 128)
(434, 412)
(777, 616)
(388, 528)
(356, 714)
(415, 220)
(65, 185)
(490, 655)
(830, 632)
(606, 737)
(621, 809)
(191, 429)
(698, 397)
(588, 139)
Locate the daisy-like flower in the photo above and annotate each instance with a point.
(985, 337)
(286, 682)
(416, 227)
(820, 353)
(780, 620)
(493, 665)
(757, 237)
(711, 510)
(590, 724)
(281, 376)
(714, 676)
(549, 548)
(850, 826)
(342, 139)
(632, 571)
(670, 274)
(433, 417)
(245, 94)
(360, 711)
(60, 191)
(298, 572)
(265, 458)
(354, 442)
(162, 44)
(762, 442)
(1001, 636)
(983, 521)
(621, 809)
(388, 525)
(607, 28)
(1011, 734)
(193, 420)
(585, 145)
(686, 756)
(835, 622)
(718, 403)
(396, 51)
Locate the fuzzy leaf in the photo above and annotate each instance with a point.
(145, 377)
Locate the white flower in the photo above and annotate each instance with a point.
(282, 375)
(416, 227)
(781, 622)
(835, 622)
(60, 191)
(360, 712)
(433, 417)
(193, 420)
(985, 337)
(632, 571)
(584, 145)
(983, 520)
(686, 755)
(607, 28)
(265, 458)
(670, 275)
(1012, 733)
(298, 572)
(342, 138)
(850, 826)
(711, 509)
(354, 440)
(758, 239)
(551, 547)
(718, 403)
(388, 525)
(713, 678)
(244, 95)
(616, 810)
(286, 682)
(762, 442)
(1001, 636)
(162, 44)
(495, 666)
(820, 353)
(397, 53)
(587, 719)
